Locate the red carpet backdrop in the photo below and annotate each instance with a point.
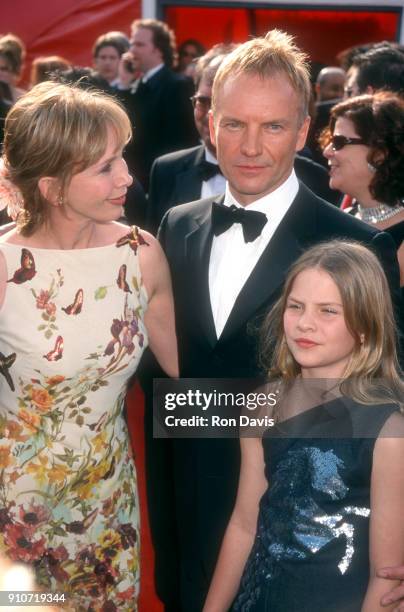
(65, 27)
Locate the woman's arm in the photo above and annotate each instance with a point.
(387, 511)
(240, 533)
(3, 279)
(159, 317)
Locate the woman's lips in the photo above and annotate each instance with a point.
(118, 201)
(305, 343)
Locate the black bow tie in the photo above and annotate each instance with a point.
(208, 170)
(223, 217)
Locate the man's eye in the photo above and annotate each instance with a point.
(274, 127)
(233, 125)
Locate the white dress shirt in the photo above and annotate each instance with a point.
(215, 185)
(232, 260)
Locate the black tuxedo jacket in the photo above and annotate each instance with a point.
(162, 117)
(206, 471)
(176, 179)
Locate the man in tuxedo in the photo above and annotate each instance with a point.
(190, 174)
(229, 257)
(158, 102)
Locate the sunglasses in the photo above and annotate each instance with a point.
(201, 102)
(339, 142)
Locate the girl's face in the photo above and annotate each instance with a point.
(348, 167)
(315, 328)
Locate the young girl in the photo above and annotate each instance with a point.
(326, 483)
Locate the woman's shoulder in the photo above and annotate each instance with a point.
(119, 232)
(9, 234)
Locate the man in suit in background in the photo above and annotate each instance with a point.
(190, 174)
(158, 102)
(229, 257)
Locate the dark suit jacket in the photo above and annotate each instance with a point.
(175, 179)
(162, 117)
(206, 471)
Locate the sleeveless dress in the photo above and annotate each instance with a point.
(71, 335)
(311, 550)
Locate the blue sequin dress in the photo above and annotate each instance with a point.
(311, 551)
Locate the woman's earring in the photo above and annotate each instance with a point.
(362, 338)
(60, 200)
(371, 168)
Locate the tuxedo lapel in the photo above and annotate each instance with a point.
(198, 244)
(267, 277)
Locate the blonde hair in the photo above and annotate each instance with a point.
(273, 54)
(57, 131)
(372, 373)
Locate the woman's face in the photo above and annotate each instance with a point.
(348, 167)
(314, 326)
(98, 193)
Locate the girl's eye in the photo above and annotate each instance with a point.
(293, 306)
(329, 311)
(107, 168)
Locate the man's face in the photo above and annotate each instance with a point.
(332, 88)
(6, 74)
(145, 55)
(202, 100)
(351, 88)
(257, 129)
(107, 62)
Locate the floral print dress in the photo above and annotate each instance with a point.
(71, 335)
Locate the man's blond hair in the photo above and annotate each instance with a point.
(273, 54)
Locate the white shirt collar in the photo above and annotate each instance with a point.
(273, 202)
(148, 75)
(210, 157)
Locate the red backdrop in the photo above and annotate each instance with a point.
(321, 33)
(65, 27)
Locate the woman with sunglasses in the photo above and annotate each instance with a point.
(364, 145)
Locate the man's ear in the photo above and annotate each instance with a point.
(212, 129)
(50, 189)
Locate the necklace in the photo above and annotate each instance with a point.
(378, 213)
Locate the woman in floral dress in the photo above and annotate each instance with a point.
(81, 296)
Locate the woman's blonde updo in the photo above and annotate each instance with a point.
(56, 130)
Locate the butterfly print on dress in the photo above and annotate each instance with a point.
(121, 280)
(76, 307)
(5, 365)
(27, 270)
(57, 352)
(134, 239)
